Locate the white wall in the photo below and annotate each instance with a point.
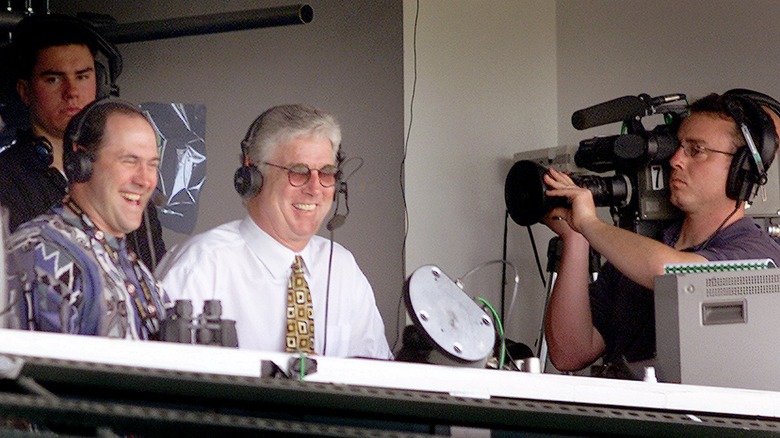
(607, 49)
(486, 89)
(499, 77)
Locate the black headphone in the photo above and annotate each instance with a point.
(77, 161)
(37, 151)
(247, 180)
(106, 76)
(108, 67)
(750, 163)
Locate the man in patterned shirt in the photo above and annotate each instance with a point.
(70, 270)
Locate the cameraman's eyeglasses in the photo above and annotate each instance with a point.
(699, 153)
(299, 174)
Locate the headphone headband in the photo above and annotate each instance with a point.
(248, 178)
(760, 98)
(77, 154)
(750, 164)
(46, 30)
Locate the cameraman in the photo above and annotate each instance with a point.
(614, 317)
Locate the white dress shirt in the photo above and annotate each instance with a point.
(248, 271)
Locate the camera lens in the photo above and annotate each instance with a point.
(612, 191)
(527, 202)
(524, 193)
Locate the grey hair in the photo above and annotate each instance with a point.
(281, 124)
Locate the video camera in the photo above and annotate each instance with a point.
(638, 191)
(208, 328)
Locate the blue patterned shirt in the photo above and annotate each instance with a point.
(61, 278)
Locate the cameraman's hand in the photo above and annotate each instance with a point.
(557, 220)
(582, 210)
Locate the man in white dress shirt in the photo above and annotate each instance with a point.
(287, 180)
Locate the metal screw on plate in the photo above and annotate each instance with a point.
(457, 347)
(485, 320)
(423, 315)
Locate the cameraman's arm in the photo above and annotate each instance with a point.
(638, 257)
(572, 339)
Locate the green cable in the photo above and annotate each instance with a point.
(500, 328)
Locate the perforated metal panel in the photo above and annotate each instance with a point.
(719, 329)
(726, 284)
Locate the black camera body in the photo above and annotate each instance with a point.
(208, 328)
(637, 189)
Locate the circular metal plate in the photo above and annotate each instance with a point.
(452, 320)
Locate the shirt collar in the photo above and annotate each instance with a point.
(71, 218)
(276, 257)
(671, 234)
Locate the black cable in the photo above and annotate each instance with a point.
(327, 298)
(717, 230)
(398, 321)
(536, 256)
(503, 267)
(331, 226)
(403, 161)
(150, 240)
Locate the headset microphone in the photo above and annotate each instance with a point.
(338, 219)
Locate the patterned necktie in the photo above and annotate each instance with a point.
(300, 316)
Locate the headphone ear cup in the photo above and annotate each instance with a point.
(247, 181)
(744, 173)
(78, 166)
(738, 186)
(103, 81)
(41, 150)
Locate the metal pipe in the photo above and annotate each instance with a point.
(206, 24)
(9, 19)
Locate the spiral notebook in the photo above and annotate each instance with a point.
(719, 266)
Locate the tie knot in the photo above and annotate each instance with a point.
(297, 264)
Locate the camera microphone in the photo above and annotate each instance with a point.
(615, 110)
(667, 99)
